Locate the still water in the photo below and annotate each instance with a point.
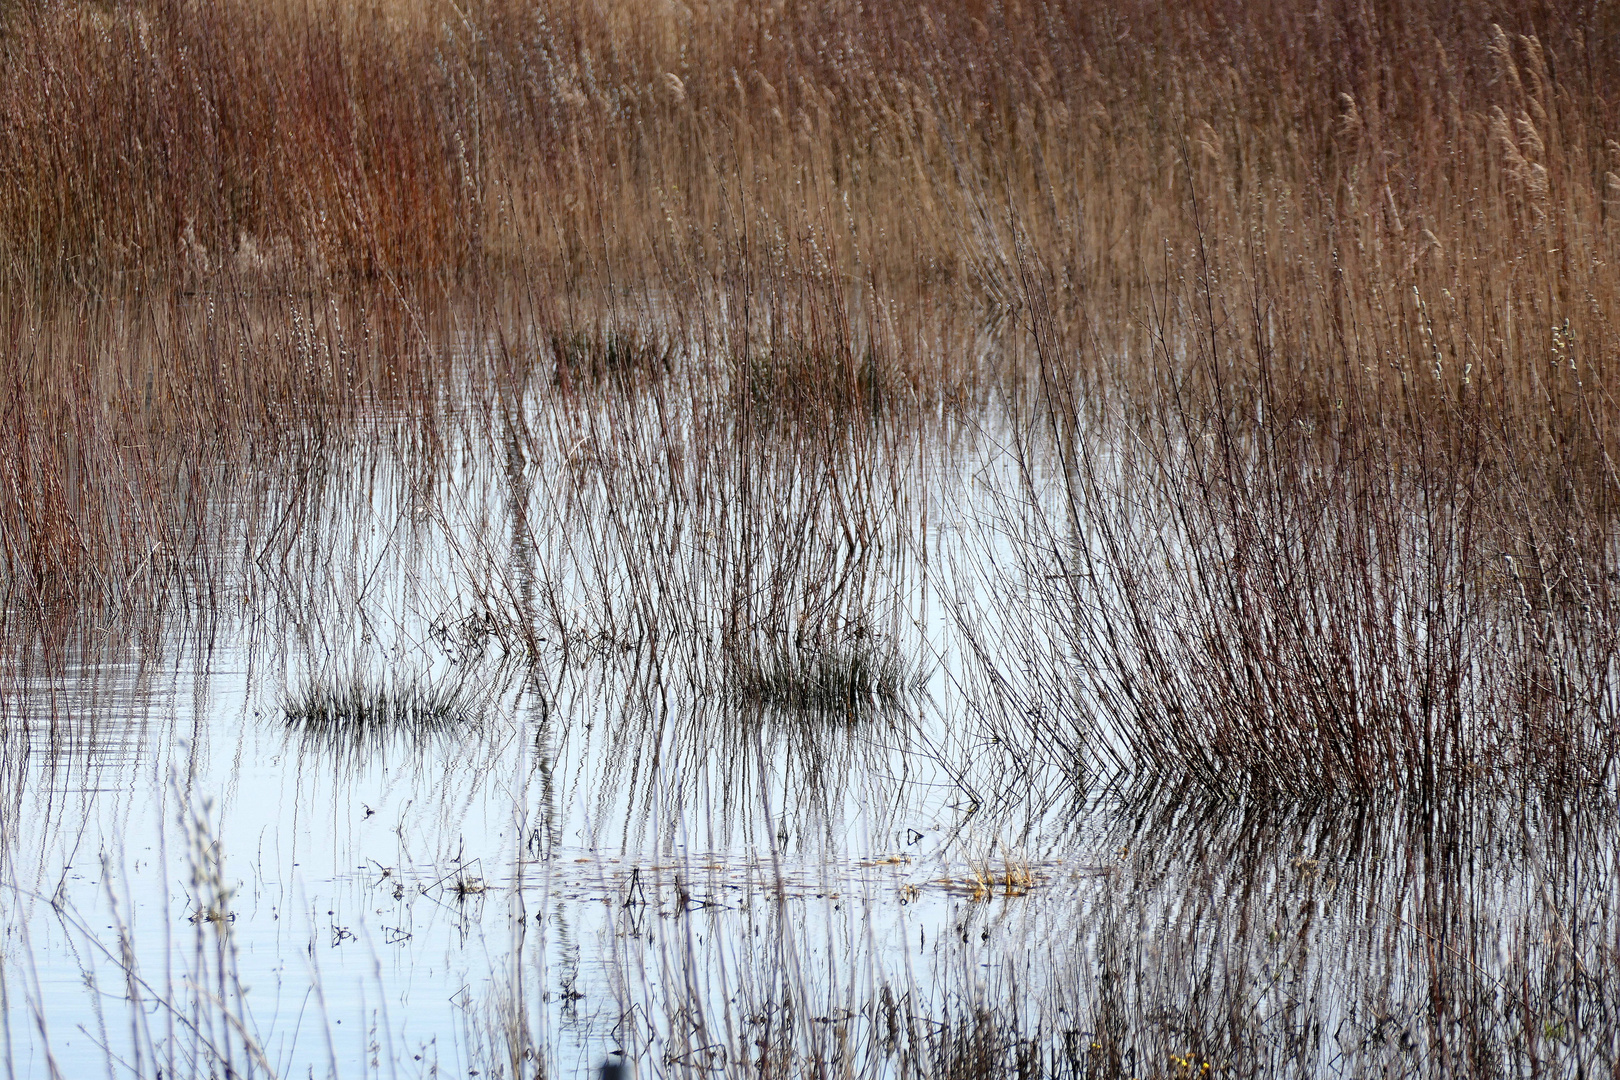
(442, 762)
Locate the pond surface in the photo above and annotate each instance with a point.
(574, 733)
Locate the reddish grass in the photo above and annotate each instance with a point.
(1345, 276)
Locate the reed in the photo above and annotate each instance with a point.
(1327, 295)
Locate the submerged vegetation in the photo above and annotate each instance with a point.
(1213, 406)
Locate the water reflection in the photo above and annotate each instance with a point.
(465, 733)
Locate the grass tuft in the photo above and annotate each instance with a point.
(853, 678)
(619, 357)
(363, 710)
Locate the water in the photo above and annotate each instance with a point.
(586, 841)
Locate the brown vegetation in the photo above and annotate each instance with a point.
(1327, 294)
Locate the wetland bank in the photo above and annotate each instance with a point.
(809, 540)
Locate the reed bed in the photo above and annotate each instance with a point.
(1329, 296)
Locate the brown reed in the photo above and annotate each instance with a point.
(1346, 278)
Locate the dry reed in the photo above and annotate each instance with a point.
(1339, 284)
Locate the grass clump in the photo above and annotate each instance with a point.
(622, 357)
(362, 710)
(813, 380)
(853, 677)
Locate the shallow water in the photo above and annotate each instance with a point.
(406, 881)
(601, 846)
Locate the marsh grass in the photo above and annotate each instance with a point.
(1274, 276)
(1294, 328)
(1254, 596)
(361, 710)
(854, 676)
(620, 356)
(820, 382)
